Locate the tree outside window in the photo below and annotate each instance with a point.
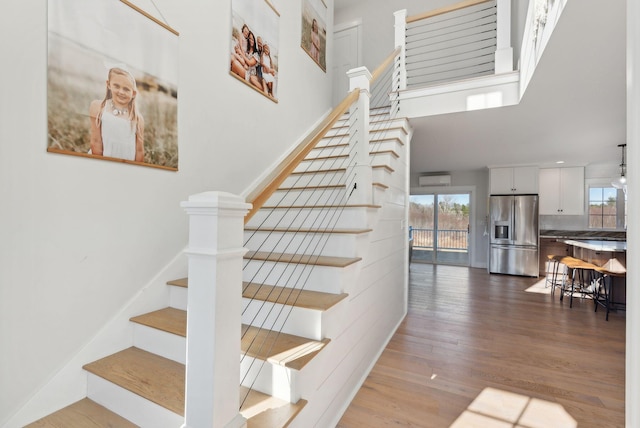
(603, 210)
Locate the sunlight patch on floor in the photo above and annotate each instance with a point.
(539, 287)
(494, 408)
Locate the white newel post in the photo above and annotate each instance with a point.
(400, 70)
(216, 224)
(360, 173)
(504, 51)
(400, 29)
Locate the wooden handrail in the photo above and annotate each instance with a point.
(445, 9)
(270, 184)
(380, 69)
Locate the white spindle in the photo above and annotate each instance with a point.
(504, 50)
(360, 171)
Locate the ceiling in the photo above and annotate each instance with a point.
(574, 109)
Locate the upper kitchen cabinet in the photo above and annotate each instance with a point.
(562, 191)
(516, 180)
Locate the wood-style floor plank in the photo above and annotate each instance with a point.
(468, 335)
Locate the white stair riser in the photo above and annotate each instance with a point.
(287, 319)
(160, 342)
(381, 175)
(323, 164)
(314, 179)
(316, 218)
(312, 196)
(330, 149)
(387, 144)
(314, 278)
(131, 406)
(386, 159)
(271, 379)
(379, 195)
(178, 297)
(331, 244)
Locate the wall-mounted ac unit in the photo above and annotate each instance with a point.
(434, 180)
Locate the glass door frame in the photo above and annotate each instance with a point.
(452, 190)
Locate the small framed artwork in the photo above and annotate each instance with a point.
(112, 83)
(314, 31)
(254, 45)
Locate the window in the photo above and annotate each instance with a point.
(603, 208)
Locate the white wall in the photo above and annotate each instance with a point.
(80, 237)
(377, 22)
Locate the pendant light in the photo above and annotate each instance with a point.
(621, 182)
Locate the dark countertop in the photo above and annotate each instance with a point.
(601, 235)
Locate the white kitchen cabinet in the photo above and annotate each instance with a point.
(516, 180)
(562, 191)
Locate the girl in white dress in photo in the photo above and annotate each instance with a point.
(268, 73)
(117, 127)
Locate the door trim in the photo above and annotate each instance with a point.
(443, 190)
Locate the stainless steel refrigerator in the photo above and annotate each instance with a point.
(514, 234)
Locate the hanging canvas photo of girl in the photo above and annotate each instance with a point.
(107, 98)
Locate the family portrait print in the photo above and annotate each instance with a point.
(112, 88)
(254, 45)
(314, 31)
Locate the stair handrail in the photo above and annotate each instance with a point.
(445, 9)
(375, 75)
(270, 184)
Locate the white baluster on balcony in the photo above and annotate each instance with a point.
(359, 171)
(216, 224)
(504, 51)
(400, 28)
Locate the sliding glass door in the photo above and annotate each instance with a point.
(440, 228)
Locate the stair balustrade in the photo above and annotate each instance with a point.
(469, 39)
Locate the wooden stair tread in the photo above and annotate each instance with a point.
(308, 259)
(264, 411)
(324, 171)
(148, 375)
(171, 320)
(376, 184)
(327, 186)
(291, 296)
(279, 348)
(342, 156)
(182, 282)
(331, 145)
(322, 206)
(306, 230)
(384, 152)
(385, 167)
(83, 414)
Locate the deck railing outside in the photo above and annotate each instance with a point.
(448, 239)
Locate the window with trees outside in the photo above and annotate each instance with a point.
(607, 208)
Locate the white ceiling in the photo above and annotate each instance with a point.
(574, 108)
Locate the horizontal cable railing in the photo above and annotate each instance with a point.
(448, 239)
(384, 103)
(453, 43)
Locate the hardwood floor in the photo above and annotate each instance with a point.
(479, 350)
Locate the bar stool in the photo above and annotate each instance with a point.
(553, 268)
(604, 296)
(585, 273)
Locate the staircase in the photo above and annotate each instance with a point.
(144, 385)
